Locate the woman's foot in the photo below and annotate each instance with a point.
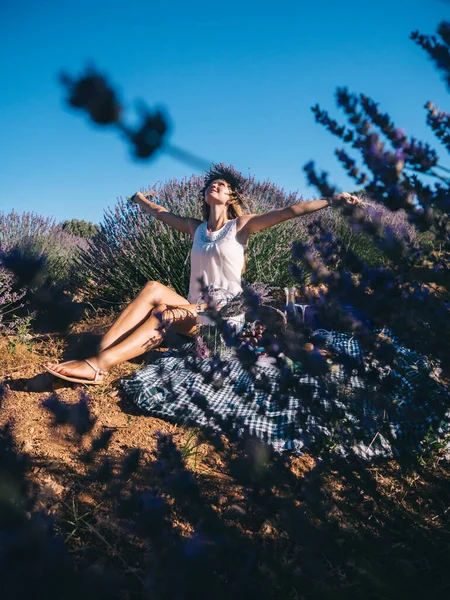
(78, 371)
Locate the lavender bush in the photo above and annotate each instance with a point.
(40, 238)
(11, 302)
(36, 258)
(391, 166)
(132, 248)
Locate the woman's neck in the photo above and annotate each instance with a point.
(217, 217)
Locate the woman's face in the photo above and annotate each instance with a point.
(217, 192)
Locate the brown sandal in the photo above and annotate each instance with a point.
(95, 381)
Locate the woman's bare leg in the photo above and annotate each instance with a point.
(144, 338)
(139, 310)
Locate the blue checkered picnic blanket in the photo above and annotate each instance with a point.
(292, 410)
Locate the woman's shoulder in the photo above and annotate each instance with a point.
(242, 221)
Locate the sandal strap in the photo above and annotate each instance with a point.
(96, 370)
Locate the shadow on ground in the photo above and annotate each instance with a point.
(280, 527)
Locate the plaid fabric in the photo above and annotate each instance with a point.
(294, 411)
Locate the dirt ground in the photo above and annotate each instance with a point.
(29, 385)
(56, 453)
(418, 501)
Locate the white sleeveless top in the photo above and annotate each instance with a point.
(218, 257)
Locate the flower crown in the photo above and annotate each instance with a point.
(229, 174)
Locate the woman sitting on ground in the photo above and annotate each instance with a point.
(217, 256)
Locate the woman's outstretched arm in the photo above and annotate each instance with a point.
(184, 224)
(248, 224)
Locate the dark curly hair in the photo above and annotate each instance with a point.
(235, 183)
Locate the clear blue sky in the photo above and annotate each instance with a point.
(237, 78)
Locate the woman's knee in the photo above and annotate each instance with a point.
(151, 291)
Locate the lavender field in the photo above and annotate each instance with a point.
(111, 497)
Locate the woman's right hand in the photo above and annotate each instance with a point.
(139, 199)
(142, 201)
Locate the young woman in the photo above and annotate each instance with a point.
(217, 256)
